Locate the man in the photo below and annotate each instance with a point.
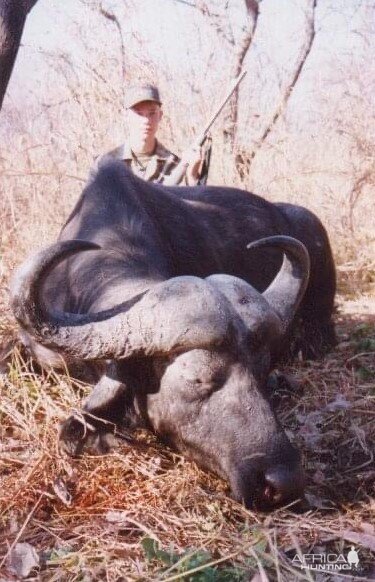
(142, 151)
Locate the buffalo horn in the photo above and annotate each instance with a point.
(287, 289)
(180, 313)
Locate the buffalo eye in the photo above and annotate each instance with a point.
(210, 384)
(244, 301)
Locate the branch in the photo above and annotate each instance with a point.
(359, 184)
(252, 8)
(29, 4)
(306, 49)
(113, 18)
(13, 15)
(191, 4)
(242, 48)
(215, 21)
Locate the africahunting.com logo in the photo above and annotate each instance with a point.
(328, 562)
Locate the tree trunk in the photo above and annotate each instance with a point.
(13, 15)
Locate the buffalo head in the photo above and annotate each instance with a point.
(209, 345)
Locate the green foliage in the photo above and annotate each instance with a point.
(366, 344)
(363, 331)
(191, 565)
(153, 552)
(365, 374)
(363, 338)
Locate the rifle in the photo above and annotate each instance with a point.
(178, 173)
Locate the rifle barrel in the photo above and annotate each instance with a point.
(232, 89)
(178, 173)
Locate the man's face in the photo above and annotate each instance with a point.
(143, 120)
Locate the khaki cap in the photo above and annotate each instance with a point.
(141, 93)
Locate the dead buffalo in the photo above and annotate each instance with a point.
(156, 286)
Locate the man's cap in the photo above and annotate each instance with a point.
(141, 93)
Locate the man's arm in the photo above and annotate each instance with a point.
(187, 170)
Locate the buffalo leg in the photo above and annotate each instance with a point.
(103, 410)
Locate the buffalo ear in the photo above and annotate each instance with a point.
(261, 321)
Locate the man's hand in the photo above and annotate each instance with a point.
(193, 158)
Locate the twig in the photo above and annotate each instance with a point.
(29, 516)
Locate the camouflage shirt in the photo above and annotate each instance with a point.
(148, 167)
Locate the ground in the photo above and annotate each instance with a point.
(144, 513)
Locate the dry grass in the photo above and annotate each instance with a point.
(94, 518)
(86, 518)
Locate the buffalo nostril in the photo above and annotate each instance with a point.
(271, 495)
(282, 485)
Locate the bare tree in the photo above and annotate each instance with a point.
(291, 83)
(239, 39)
(13, 14)
(108, 11)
